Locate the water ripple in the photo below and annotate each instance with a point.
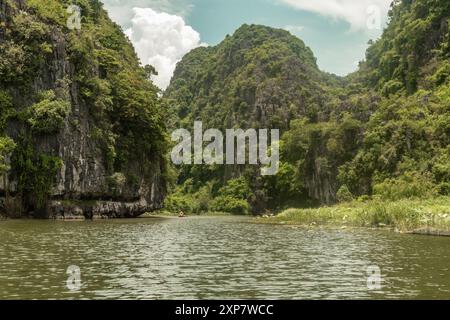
(215, 258)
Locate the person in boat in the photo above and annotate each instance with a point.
(181, 214)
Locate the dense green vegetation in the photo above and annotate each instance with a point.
(95, 66)
(406, 141)
(381, 132)
(231, 198)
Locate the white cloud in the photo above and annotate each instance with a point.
(161, 39)
(358, 13)
(121, 11)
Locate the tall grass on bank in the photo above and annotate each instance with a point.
(404, 215)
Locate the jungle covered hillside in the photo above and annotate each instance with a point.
(382, 132)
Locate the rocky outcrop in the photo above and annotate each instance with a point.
(98, 209)
(83, 183)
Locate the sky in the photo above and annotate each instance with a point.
(163, 31)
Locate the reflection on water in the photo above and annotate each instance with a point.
(215, 258)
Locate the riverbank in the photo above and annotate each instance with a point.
(168, 214)
(431, 216)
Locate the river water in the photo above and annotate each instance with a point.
(216, 258)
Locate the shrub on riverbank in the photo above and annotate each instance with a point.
(404, 215)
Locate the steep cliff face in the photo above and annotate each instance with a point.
(86, 121)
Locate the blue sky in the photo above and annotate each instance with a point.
(336, 30)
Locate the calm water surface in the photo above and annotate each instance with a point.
(215, 258)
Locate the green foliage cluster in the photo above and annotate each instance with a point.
(7, 146)
(315, 151)
(50, 10)
(344, 194)
(409, 185)
(6, 109)
(407, 134)
(48, 115)
(36, 173)
(25, 47)
(230, 205)
(185, 198)
(12, 64)
(116, 182)
(231, 198)
(417, 33)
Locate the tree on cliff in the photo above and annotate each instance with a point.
(6, 148)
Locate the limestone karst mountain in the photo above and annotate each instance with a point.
(86, 121)
(383, 129)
